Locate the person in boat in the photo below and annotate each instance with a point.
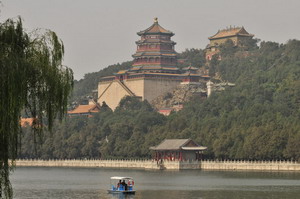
(124, 184)
(130, 184)
(119, 183)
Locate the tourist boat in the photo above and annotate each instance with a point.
(121, 185)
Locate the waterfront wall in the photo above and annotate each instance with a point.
(250, 165)
(168, 165)
(136, 164)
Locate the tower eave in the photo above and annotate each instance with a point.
(155, 33)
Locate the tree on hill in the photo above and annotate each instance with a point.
(194, 57)
(119, 134)
(133, 103)
(32, 78)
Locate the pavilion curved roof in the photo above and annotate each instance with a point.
(231, 32)
(155, 29)
(177, 144)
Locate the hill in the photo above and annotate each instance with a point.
(258, 119)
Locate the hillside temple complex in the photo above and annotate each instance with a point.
(154, 71)
(236, 34)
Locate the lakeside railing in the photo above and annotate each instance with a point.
(254, 165)
(254, 161)
(185, 161)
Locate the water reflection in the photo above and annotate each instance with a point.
(121, 196)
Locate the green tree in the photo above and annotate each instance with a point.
(32, 77)
(194, 57)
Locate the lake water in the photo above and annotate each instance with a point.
(92, 183)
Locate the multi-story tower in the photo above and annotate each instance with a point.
(155, 50)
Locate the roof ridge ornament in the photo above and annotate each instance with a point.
(155, 20)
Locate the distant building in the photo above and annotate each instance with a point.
(236, 34)
(30, 122)
(26, 122)
(165, 111)
(85, 110)
(178, 150)
(154, 71)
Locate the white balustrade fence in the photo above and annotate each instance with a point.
(174, 165)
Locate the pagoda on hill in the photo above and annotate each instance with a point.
(154, 71)
(236, 34)
(155, 50)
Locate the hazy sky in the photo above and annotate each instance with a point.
(98, 33)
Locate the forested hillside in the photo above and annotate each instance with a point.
(258, 119)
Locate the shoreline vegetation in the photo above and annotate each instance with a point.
(229, 165)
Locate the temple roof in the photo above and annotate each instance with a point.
(26, 121)
(190, 68)
(177, 144)
(91, 108)
(155, 41)
(231, 32)
(145, 74)
(155, 29)
(154, 67)
(155, 53)
(163, 74)
(122, 72)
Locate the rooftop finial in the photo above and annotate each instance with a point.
(155, 20)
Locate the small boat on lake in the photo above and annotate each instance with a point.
(121, 185)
